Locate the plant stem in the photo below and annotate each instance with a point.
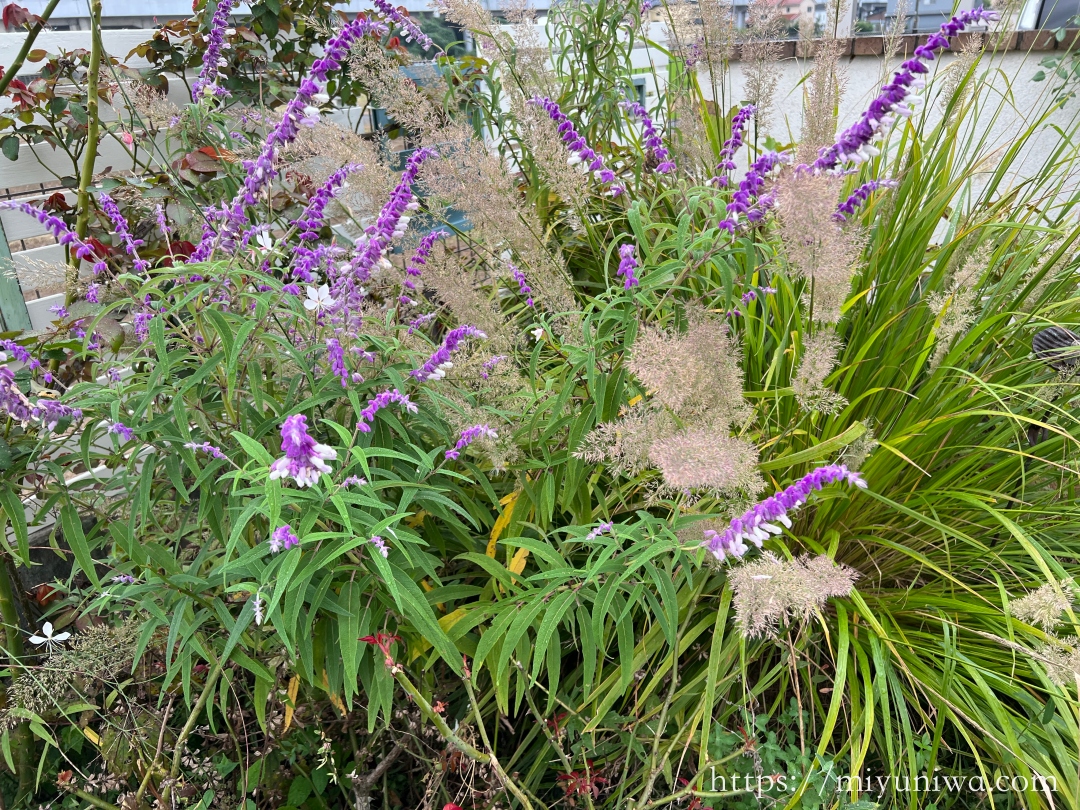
(181, 740)
(23, 747)
(504, 777)
(93, 800)
(82, 222)
(440, 724)
(24, 51)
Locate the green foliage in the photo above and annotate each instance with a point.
(545, 627)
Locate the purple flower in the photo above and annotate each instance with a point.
(414, 266)
(757, 524)
(377, 403)
(120, 226)
(93, 292)
(627, 265)
(125, 433)
(141, 323)
(489, 365)
(59, 310)
(124, 579)
(732, 145)
(412, 31)
(311, 220)
(337, 360)
(858, 197)
(522, 282)
(304, 460)
(468, 436)
(575, 143)
(855, 144)
(750, 192)
(283, 539)
(372, 246)
(163, 225)
(354, 481)
(205, 447)
(59, 229)
(206, 84)
(380, 544)
(599, 530)
(653, 143)
(12, 401)
(419, 321)
(261, 171)
(50, 412)
(435, 367)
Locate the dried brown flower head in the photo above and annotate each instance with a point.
(706, 459)
(1044, 606)
(819, 353)
(817, 247)
(693, 373)
(770, 591)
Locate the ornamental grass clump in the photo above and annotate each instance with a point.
(569, 453)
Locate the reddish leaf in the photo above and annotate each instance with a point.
(101, 250)
(57, 202)
(15, 16)
(43, 594)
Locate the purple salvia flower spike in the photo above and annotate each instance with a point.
(757, 524)
(848, 207)
(435, 366)
(468, 436)
(576, 144)
(651, 140)
(732, 145)
(304, 459)
(120, 227)
(412, 31)
(314, 214)
(627, 265)
(206, 83)
(377, 403)
(855, 145)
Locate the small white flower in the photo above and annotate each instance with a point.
(538, 333)
(49, 639)
(318, 299)
(321, 98)
(264, 240)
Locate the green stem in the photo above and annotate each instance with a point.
(504, 777)
(181, 741)
(82, 223)
(440, 724)
(22, 739)
(24, 51)
(93, 800)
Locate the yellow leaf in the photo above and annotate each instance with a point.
(334, 699)
(290, 707)
(416, 519)
(450, 619)
(510, 501)
(634, 401)
(92, 736)
(517, 565)
(445, 622)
